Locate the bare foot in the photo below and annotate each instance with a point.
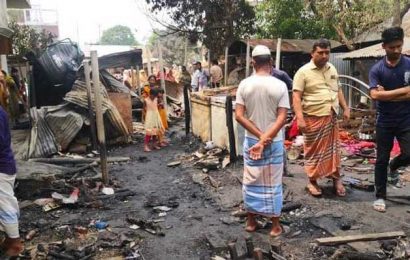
(146, 148)
(251, 224)
(276, 231)
(339, 188)
(12, 246)
(163, 144)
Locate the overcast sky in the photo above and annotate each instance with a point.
(84, 20)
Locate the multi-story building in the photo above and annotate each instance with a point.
(42, 15)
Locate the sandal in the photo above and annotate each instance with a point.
(314, 190)
(379, 205)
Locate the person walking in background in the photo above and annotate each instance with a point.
(216, 74)
(316, 100)
(262, 103)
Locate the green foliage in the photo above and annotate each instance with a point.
(173, 47)
(215, 23)
(290, 19)
(26, 38)
(118, 35)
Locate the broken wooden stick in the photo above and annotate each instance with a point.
(78, 160)
(363, 237)
(232, 251)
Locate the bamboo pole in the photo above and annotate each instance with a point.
(278, 49)
(162, 75)
(248, 50)
(99, 116)
(132, 78)
(149, 62)
(138, 80)
(226, 66)
(91, 109)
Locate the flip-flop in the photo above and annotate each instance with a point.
(379, 205)
(314, 191)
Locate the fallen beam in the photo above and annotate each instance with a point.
(78, 160)
(354, 238)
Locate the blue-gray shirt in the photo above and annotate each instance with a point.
(391, 114)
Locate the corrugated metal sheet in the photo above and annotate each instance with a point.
(78, 96)
(289, 45)
(42, 140)
(374, 51)
(343, 66)
(65, 124)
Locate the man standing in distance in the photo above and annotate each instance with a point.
(216, 74)
(262, 102)
(316, 100)
(389, 81)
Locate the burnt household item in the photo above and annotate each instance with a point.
(61, 61)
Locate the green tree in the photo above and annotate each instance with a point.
(350, 18)
(26, 38)
(216, 23)
(173, 47)
(118, 35)
(290, 19)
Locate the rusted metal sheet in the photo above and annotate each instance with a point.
(289, 45)
(374, 51)
(122, 101)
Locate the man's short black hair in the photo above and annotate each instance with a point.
(215, 62)
(392, 34)
(262, 60)
(321, 43)
(152, 77)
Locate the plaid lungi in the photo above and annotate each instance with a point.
(322, 147)
(262, 180)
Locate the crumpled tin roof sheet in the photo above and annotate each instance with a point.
(374, 51)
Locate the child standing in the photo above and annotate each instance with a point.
(153, 124)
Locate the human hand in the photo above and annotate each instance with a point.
(301, 124)
(346, 114)
(380, 88)
(256, 151)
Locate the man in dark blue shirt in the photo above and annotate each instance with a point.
(9, 208)
(389, 81)
(282, 75)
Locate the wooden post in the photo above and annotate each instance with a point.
(132, 78)
(226, 66)
(209, 66)
(278, 49)
(138, 80)
(187, 110)
(149, 62)
(249, 246)
(248, 53)
(231, 131)
(90, 104)
(99, 116)
(186, 51)
(232, 251)
(162, 74)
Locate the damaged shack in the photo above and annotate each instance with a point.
(60, 113)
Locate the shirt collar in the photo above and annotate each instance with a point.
(388, 65)
(313, 66)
